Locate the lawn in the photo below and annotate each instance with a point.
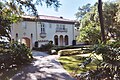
(71, 63)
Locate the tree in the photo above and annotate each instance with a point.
(110, 23)
(20, 6)
(89, 28)
(83, 10)
(91, 20)
(12, 10)
(101, 20)
(4, 22)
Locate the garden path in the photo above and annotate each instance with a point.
(44, 67)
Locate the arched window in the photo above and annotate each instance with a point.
(31, 35)
(56, 40)
(66, 39)
(16, 36)
(26, 41)
(61, 40)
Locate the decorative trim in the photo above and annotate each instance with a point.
(43, 40)
(50, 21)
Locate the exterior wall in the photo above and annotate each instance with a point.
(24, 29)
(32, 30)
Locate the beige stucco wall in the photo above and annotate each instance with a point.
(26, 28)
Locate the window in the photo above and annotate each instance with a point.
(16, 36)
(24, 25)
(50, 25)
(42, 28)
(31, 35)
(63, 27)
(57, 25)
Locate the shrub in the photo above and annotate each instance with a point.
(45, 47)
(109, 67)
(58, 48)
(15, 54)
(69, 52)
(20, 53)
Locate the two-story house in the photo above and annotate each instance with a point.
(43, 29)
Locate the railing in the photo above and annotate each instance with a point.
(42, 35)
(61, 30)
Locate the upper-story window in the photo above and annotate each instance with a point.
(42, 28)
(57, 26)
(61, 28)
(24, 25)
(50, 25)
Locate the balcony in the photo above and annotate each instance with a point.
(42, 35)
(61, 30)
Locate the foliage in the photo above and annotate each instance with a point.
(89, 28)
(109, 67)
(90, 25)
(109, 53)
(83, 10)
(111, 25)
(71, 51)
(118, 12)
(58, 48)
(45, 47)
(90, 34)
(21, 53)
(14, 54)
(12, 10)
(6, 19)
(21, 6)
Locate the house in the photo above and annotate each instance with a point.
(42, 29)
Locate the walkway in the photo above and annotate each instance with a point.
(44, 67)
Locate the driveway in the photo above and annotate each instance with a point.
(44, 67)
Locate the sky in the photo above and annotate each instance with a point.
(66, 10)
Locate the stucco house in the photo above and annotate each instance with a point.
(42, 29)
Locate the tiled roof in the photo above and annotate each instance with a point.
(54, 18)
(49, 18)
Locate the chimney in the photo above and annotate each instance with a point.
(61, 17)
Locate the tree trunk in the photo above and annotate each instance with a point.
(101, 21)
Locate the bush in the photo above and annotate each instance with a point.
(109, 67)
(62, 50)
(15, 54)
(69, 52)
(45, 47)
(20, 53)
(58, 48)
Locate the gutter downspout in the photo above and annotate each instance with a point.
(36, 28)
(73, 32)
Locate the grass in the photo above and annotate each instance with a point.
(70, 63)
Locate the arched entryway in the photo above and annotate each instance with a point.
(26, 41)
(66, 39)
(56, 40)
(61, 40)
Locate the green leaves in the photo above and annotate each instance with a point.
(83, 10)
(10, 12)
(90, 25)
